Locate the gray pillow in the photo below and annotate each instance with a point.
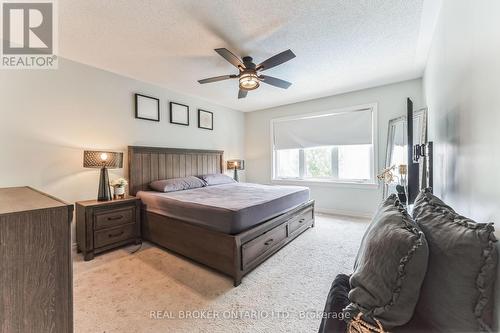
(177, 184)
(390, 268)
(457, 294)
(217, 179)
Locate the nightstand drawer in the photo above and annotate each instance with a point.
(112, 235)
(109, 218)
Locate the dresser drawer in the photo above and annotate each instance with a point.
(300, 222)
(113, 217)
(113, 235)
(262, 245)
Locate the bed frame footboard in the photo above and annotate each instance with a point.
(233, 255)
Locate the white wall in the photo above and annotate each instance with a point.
(462, 85)
(353, 199)
(48, 117)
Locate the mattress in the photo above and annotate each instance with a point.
(228, 208)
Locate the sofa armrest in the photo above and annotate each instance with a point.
(336, 301)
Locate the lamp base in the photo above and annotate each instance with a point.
(104, 193)
(236, 175)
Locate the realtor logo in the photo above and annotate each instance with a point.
(28, 35)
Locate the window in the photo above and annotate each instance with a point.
(288, 163)
(336, 146)
(318, 162)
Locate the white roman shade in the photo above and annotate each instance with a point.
(336, 129)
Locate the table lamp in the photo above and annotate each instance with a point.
(236, 165)
(104, 160)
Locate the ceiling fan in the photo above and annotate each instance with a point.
(249, 76)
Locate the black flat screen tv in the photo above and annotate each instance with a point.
(413, 167)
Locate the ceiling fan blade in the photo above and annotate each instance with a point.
(275, 81)
(276, 60)
(242, 93)
(226, 54)
(217, 78)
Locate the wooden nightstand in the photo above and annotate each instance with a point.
(105, 225)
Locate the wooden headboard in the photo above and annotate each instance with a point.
(146, 164)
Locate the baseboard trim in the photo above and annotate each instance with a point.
(341, 212)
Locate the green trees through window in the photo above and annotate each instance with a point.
(348, 162)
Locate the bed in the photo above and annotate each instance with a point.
(231, 228)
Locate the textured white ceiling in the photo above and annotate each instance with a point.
(340, 45)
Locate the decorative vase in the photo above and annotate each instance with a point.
(119, 191)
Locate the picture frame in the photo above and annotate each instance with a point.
(147, 107)
(179, 114)
(205, 119)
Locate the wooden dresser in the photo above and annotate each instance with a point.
(36, 283)
(105, 225)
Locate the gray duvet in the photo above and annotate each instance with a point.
(228, 208)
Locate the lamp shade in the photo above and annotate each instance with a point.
(100, 159)
(236, 164)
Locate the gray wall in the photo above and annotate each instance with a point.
(48, 117)
(334, 198)
(462, 85)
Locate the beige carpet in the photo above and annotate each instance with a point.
(123, 292)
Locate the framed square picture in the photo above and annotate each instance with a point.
(179, 114)
(147, 107)
(205, 119)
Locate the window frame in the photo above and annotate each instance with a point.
(371, 183)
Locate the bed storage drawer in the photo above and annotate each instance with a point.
(262, 245)
(300, 222)
(112, 235)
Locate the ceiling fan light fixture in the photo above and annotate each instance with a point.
(249, 81)
(248, 77)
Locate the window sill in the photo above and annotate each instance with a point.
(328, 183)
